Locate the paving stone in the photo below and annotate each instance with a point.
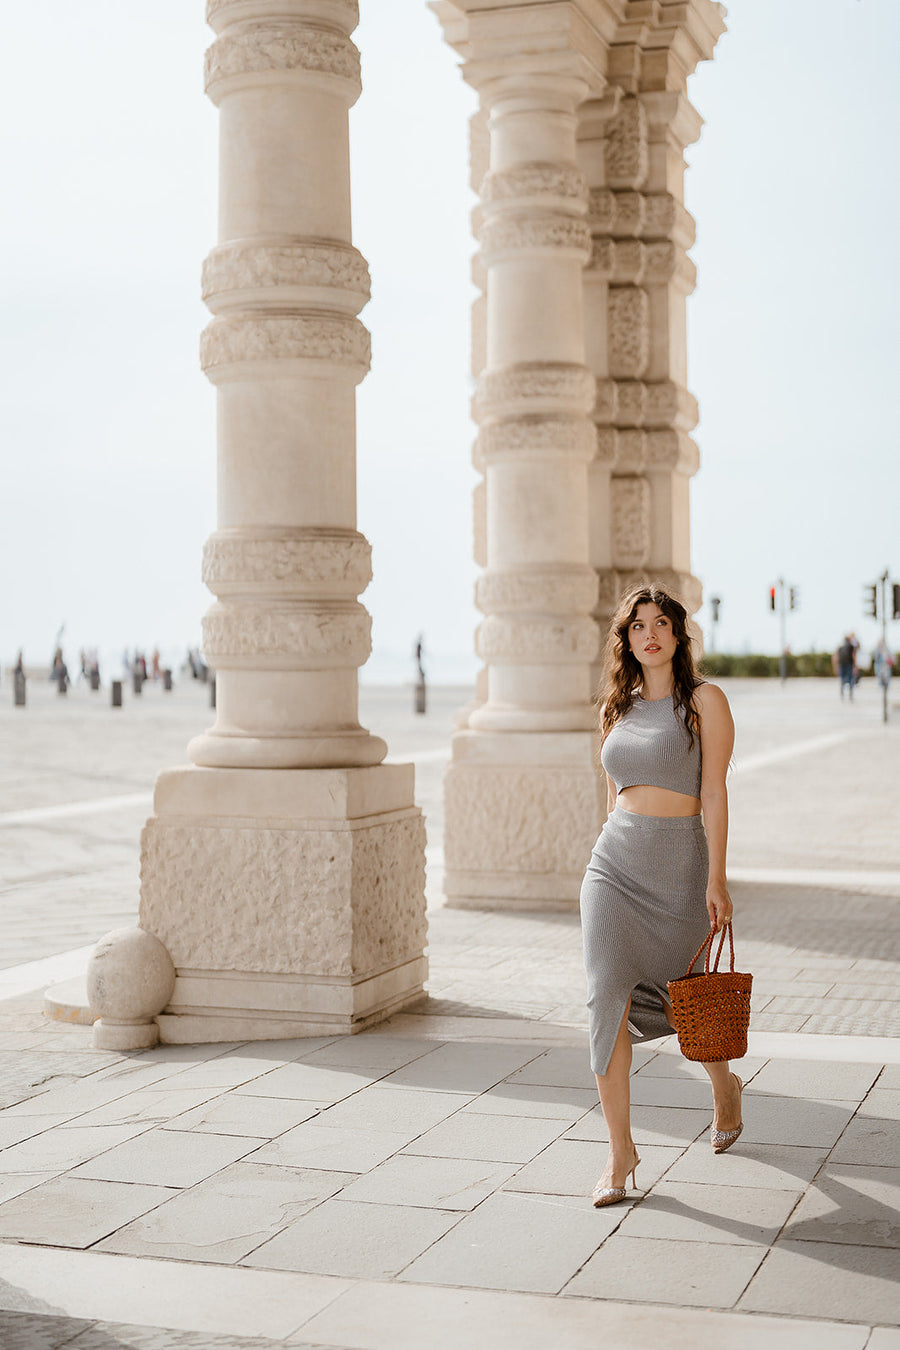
(394, 1110)
(225, 1217)
(525, 1242)
(333, 1149)
(649, 1125)
(853, 1205)
(32, 1331)
(766, 1021)
(462, 1067)
(371, 1050)
(808, 1123)
(544, 1103)
(827, 1279)
(15, 1183)
(826, 1080)
(884, 1338)
(653, 1270)
(59, 1149)
(557, 1068)
(666, 1065)
(867, 1139)
(74, 1212)
(693, 1093)
(681, 1211)
(572, 1167)
(309, 1082)
(146, 1106)
(168, 1158)
(339, 1237)
(491, 1138)
(434, 1183)
(763, 1166)
(889, 1079)
(26, 1331)
(234, 1113)
(881, 1104)
(15, 1129)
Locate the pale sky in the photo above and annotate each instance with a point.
(108, 160)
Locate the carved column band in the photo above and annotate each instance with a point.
(285, 349)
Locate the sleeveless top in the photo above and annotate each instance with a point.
(650, 746)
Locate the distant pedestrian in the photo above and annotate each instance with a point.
(844, 665)
(157, 669)
(19, 667)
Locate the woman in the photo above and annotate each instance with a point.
(656, 880)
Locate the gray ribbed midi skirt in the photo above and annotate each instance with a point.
(643, 916)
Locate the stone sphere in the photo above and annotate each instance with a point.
(130, 976)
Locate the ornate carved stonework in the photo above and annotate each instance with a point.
(629, 331)
(570, 591)
(319, 559)
(541, 382)
(569, 436)
(535, 641)
(630, 521)
(626, 148)
(317, 263)
(536, 180)
(281, 47)
(502, 234)
(286, 901)
(320, 337)
(315, 635)
(631, 451)
(607, 446)
(542, 820)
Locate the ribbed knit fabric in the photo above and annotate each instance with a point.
(650, 746)
(643, 916)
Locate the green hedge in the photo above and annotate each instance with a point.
(723, 664)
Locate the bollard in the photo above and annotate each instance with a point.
(95, 681)
(137, 680)
(212, 691)
(167, 681)
(19, 686)
(420, 695)
(117, 693)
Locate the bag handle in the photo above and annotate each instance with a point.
(707, 943)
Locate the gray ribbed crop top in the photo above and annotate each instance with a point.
(650, 747)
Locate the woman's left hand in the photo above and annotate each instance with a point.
(719, 906)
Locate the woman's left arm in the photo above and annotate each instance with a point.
(716, 744)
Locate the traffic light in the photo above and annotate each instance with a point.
(772, 604)
(870, 601)
(794, 598)
(896, 590)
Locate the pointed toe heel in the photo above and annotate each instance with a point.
(722, 1140)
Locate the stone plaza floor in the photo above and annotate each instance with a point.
(426, 1184)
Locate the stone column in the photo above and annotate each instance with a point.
(631, 148)
(284, 872)
(522, 791)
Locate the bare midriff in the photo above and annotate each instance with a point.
(656, 801)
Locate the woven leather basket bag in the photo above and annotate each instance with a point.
(711, 1008)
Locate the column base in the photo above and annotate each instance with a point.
(522, 815)
(292, 902)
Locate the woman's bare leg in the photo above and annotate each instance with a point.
(615, 1099)
(726, 1096)
(726, 1093)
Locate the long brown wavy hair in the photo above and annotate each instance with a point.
(623, 670)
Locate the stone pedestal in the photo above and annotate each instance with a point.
(284, 871)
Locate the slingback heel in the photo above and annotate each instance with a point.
(722, 1140)
(611, 1195)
